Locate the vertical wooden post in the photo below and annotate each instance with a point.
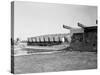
(59, 40)
(53, 39)
(84, 40)
(39, 39)
(32, 40)
(64, 39)
(28, 41)
(35, 39)
(44, 39)
(48, 39)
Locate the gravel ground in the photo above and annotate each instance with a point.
(62, 61)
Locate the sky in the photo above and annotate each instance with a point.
(37, 18)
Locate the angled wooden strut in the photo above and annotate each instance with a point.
(67, 27)
(81, 25)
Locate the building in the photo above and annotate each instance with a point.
(48, 40)
(84, 38)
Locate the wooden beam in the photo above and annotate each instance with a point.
(81, 25)
(67, 27)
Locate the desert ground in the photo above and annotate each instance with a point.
(53, 62)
